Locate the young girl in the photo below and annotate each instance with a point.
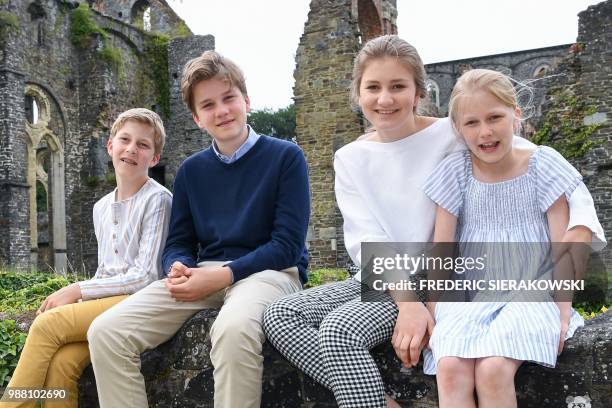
(328, 331)
(496, 192)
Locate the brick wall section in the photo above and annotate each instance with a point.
(324, 120)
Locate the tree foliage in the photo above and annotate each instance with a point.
(279, 124)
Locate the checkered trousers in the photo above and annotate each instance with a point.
(327, 332)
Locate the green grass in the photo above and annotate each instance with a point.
(317, 277)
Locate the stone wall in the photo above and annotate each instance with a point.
(183, 136)
(577, 112)
(162, 18)
(530, 67)
(179, 374)
(85, 85)
(324, 119)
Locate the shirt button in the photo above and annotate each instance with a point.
(115, 222)
(116, 251)
(114, 236)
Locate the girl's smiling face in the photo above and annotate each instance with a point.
(487, 125)
(388, 96)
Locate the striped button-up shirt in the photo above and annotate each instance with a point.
(131, 234)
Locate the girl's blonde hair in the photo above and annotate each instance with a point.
(498, 84)
(388, 46)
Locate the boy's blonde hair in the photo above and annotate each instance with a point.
(146, 117)
(209, 65)
(388, 46)
(498, 84)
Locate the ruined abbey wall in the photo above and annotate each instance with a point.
(59, 95)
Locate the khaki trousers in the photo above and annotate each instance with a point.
(151, 317)
(56, 353)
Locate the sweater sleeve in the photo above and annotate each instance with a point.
(182, 241)
(360, 225)
(291, 215)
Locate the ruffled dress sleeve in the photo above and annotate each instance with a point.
(446, 184)
(554, 176)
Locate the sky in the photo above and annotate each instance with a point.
(262, 36)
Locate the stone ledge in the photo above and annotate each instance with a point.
(179, 374)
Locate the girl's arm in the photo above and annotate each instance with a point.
(558, 219)
(444, 232)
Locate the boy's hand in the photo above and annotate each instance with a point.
(413, 328)
(198, 283)
(64, 296)
(178, 269)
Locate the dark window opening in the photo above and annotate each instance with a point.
(158, 173)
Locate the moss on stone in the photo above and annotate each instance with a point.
(83, 26)
(113, 56)
(563, 125)
(83, 29)
(156, 60)
(8, 23)
(181, 31)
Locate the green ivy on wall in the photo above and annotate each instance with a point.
(8, 23)
(156, 59)
(83, 29)
(563, 126)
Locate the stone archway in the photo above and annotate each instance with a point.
(46, 168)
(370, 23)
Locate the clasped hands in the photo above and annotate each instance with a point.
(190, 284)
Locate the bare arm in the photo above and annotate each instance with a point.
(558, 219)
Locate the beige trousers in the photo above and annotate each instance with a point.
(151, 316)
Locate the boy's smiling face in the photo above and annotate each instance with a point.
(221, 110)
(133, 150)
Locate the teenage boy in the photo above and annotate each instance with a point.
(236, 241)
(131, 225)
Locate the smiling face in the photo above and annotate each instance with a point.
(388, 96)
(487, 125)
(221, 110)
(133, 150)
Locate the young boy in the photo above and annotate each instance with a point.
(131, 225)
(236, 241)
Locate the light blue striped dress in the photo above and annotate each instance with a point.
(508, 211)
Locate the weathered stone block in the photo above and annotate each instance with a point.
(179, 373)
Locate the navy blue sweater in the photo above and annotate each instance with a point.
(253, 211)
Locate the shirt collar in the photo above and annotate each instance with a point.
(241, 151)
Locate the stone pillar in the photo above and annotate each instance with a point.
(58, 206)
(14, 189)
(324, 119)
(183, 137)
